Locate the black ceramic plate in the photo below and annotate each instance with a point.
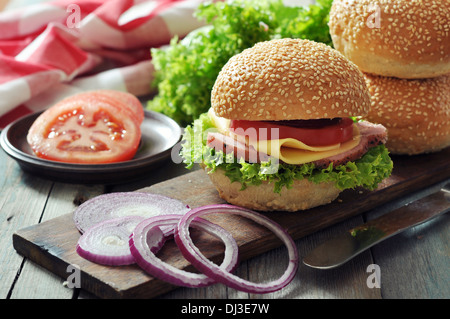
(159, 134)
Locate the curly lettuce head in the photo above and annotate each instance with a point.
(367, 172)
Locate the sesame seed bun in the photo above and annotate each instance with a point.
(397, 38)
(302, 195)
(416, 113)
(289, 79)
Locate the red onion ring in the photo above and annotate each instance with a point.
(107, 242)
(154, 266)
(117, 230)
(198, 260)
(114, 205)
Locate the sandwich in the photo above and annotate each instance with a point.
(286, 129)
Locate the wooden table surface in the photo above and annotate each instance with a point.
(413, 264)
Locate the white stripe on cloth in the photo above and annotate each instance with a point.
(14, 93)
(179, 18)
(35, 17)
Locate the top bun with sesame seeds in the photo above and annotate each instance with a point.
(397, 38)
(416, 113)
(289, 79)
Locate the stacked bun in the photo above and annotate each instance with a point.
(403, 49)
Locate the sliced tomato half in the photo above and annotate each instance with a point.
(319, 132)
(128, 101)
(86, 131)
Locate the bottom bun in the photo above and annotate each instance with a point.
(416, 113)
(303, 194)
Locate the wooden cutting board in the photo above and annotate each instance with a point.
(51, 244)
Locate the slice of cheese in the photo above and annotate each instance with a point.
(288, 150)
(295, 152)
(296, 144)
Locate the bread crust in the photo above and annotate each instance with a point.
(303, 194)
(397, 38)
(416, 113)
(289, 79)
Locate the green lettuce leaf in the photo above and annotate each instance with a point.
(367, 172)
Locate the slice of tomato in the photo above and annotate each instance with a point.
(85, 131)
(126, 101)
(129, 101)
(311, 132)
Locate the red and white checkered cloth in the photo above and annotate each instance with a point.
(54, 49)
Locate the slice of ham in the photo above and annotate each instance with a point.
(371, 136)
(227, 144)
